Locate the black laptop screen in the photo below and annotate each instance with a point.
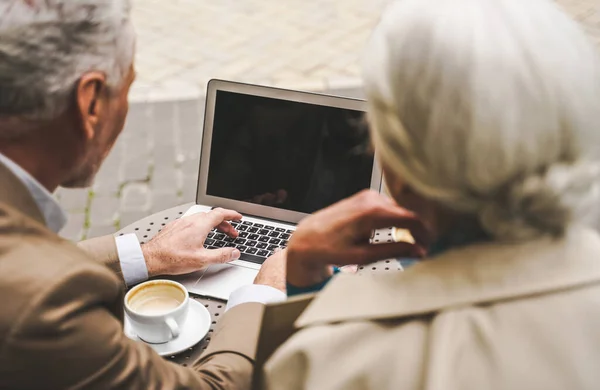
(279, 153)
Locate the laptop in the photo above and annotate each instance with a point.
(275, 156)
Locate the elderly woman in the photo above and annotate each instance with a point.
(485, 115)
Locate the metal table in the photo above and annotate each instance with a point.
(146, 228)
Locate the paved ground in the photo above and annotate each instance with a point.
(292, 43)
(303, 44)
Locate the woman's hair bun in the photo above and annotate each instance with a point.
(545, 203)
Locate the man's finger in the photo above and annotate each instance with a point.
(216, 216)
(227, 228)
(222, 255)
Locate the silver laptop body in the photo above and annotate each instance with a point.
(275, 156)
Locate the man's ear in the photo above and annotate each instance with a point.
(91, 102)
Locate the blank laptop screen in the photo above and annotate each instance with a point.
(290, 155)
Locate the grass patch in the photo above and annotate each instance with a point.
(88, 208)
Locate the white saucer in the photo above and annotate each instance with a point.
(193, 331)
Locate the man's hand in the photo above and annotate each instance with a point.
(272, 271)
(178, 248)
(340, 235)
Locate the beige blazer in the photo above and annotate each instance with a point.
(61, 316)
(487, 316)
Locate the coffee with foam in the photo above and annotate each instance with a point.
(156, 305)
(156, 299)
(157, 309)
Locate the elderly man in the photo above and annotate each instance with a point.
(65, 71)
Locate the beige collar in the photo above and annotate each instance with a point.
(14, 193)
(470, 275)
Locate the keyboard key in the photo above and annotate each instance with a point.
(251, 243)
(244, 234)
(289, 231)
(263, 253)
(210, 235)
(262, 245)
(253, 236)
(280, 230)
(219, 236)
(241, 247)
(212, 247)
(234, 224)
(274, 234)
(247, 223)
(263, 232)
(241, 228)
(253, 229)
(274, 241)
(230, 245)
(252, 258)
(258, 225)
(263, 239)
(219, 244)
(228, 239)
(284, 236)
(251, 251)
(240, 240)
(272, 247)
(209, 241)
(269, 227)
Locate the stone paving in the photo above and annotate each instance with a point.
(293, 43)
(302, 44)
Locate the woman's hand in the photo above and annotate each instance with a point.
(272, 271)
(340, 235)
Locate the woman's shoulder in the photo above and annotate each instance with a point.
(350, 352)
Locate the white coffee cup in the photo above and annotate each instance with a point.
(157, 310)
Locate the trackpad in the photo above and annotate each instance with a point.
(220, 280)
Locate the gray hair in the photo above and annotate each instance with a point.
(490, 107)
(46, 46)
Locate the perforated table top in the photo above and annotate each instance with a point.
(146, 228)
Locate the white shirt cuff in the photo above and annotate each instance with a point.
(255, 293)
(132, 259)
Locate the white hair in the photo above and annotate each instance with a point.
(490, 107)
(46, 46)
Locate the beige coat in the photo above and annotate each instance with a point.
(61, 316)
(487, 316)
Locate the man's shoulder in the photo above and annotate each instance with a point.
(14, 222)
(43, 256)
(34, 262)
(27, 246)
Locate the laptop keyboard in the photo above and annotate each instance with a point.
(256, 241)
